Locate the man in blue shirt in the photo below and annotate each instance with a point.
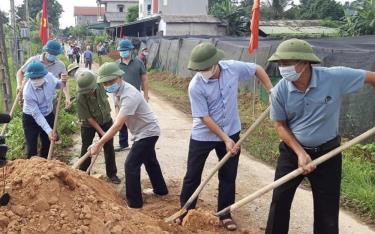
(87, 55)
(216, 123)
(38, 117)
(306, 108)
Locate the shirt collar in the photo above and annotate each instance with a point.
(122, 86)
(130, 61)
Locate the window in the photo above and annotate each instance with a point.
(165, 2)
(149, 9)
(120, 8)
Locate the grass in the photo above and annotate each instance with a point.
(358, 179)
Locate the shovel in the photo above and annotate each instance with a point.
(91, 164)
(228, 155)
(50, 151)
(11, 113)
(296, 173)
(81, 160)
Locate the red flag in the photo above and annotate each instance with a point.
(43, 30)
(254, 27)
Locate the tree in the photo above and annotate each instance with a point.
(35, 6)
(132, 14)
(234, 15)
(362, 21)
(274, 9)
(319, 9)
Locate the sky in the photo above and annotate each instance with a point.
(67, 17)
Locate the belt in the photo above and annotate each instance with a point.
(329, 145)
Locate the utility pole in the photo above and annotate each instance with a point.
(29, 28)
(15, 50)
(4, 70)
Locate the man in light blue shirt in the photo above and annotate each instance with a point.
(216, 122)
(39, 92)
(306, 108)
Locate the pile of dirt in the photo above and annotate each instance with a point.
(50, 197)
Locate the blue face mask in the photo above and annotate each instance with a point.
(51, 58)
(112, 88)
(124, 54)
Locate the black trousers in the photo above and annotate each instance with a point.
(32, 132)
(123, 136)
(198, 153)
(143, 152)
(325, 184)
(88, 63)
(87, 135)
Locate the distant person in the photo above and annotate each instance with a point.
(38, 117)
(143, 56)
(70, 53)
(99, 48)
(134, 74)
(88, 57)
(213, 95)
(77, 53)
(142, 123)
(306, 109)
(53, 65)
(95, 113)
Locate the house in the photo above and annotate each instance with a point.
(115, 10)
(87, 15)
(170, 18)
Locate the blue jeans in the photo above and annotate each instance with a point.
(123, 137)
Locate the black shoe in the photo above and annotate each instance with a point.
(120, 148)
(114, 179)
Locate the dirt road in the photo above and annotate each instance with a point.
(172, 149)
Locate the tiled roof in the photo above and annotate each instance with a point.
(88, 11)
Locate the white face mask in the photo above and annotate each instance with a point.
(209, 74)
(36, 83)
(289, 73)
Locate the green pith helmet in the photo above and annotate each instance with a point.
(109, 71)
(204, 56)
(86, 82)
(294, 49)
(72, 68)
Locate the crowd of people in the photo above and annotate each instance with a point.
(305, 107)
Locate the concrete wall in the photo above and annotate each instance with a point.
(183, 7)
(181, 29)
(85, 20)
(358, 109)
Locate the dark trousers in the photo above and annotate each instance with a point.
(77, 58)
(143, 152)
(88, 63)
(87, 135)
(32, 132)
(123, 137)
(325, 184)
(198, 153)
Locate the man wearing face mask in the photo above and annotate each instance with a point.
(53, 65)
(134, 74)
(142, 123)
(216, 124)
(95, 113)
(306, 109)
(38, 117)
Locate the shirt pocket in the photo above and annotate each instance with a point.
(323, 106)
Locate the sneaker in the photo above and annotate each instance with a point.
(120, 148)
(148, 191)
(114, 179)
